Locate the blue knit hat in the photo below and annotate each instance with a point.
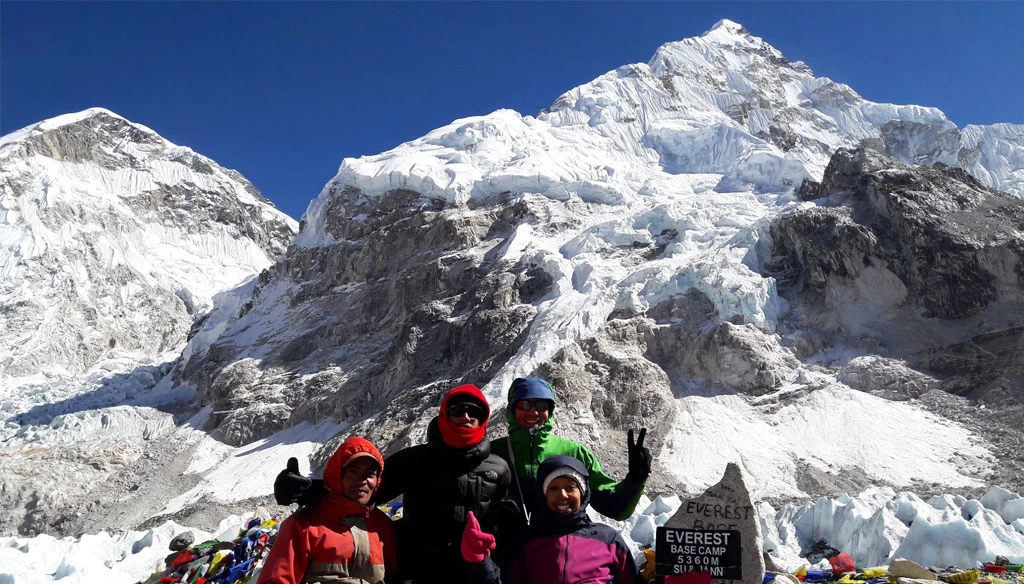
(531, 388)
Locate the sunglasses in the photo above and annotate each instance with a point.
(541, 405)
(474, 410)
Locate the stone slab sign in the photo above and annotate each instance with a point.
(716, 532)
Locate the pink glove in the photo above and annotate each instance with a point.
(476, 543)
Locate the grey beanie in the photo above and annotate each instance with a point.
(565, 471)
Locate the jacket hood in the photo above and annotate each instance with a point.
(464, 391)
(354, 447)
(547, 521)
(521, 388)
(462, 437)
(531, 388)
(550, 465)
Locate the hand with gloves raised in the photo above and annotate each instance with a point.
(477, 544)
(291, 487)
(639, 457)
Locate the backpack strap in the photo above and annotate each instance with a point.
(512, 459)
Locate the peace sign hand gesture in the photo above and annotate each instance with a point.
(639, 457)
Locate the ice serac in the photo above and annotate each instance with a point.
(995, 155)
(113, 244)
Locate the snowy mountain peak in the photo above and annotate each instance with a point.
(89, 117)
(728, 25)
(724, 38)
(726, 105)
(74, 117)
(727, 31)
(114, 236)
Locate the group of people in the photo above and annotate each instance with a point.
(509, 511)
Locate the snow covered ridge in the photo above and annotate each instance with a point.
(113, 243)
(104, 225)
(726, 103)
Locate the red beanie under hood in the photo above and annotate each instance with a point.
(457, 436)
(354, 447)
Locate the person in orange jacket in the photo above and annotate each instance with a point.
(342, 538)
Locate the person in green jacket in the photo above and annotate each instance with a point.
(531, 403)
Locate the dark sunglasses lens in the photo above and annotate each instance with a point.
(541, 405)
(474, 411)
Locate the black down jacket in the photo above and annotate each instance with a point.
(439, 485)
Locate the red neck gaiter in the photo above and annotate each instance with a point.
(458, 436)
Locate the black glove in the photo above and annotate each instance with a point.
(504, 514)
(291, 487)
(639, 457)
(510, 528)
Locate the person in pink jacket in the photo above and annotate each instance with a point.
(564, 546)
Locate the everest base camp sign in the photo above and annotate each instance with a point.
(716, 532)
(696, 550)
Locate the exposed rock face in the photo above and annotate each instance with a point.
(411, 296)
(415, 296)
(889, 378)
(926, 262)
(919, 143)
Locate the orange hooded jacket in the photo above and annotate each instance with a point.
(337, 541)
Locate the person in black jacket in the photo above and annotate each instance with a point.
(440, 481)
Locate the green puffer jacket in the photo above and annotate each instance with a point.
(616, 500)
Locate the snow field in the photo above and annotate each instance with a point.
(833, 429)
(233, 474)
(872, 526)
(123, 558)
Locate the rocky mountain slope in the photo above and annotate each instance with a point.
(113, 242)
(716, 245)
(923, 264)
(640, 244)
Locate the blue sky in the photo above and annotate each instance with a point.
(282, 91)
